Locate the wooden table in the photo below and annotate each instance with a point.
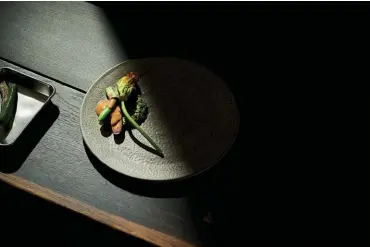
(277, 183)
(69, 44)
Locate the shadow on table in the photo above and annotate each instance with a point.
(206, 195)
(272, 195)
(209, 195)
(12, 157)
(55, 221)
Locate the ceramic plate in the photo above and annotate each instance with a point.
(192, 117)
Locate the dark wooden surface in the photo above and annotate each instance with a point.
(60, 162)
(73, 43)
(280, 184)
(113, 221)
(26, 215)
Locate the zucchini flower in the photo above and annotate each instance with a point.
(126, 85)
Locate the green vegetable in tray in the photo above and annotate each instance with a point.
(8, 101)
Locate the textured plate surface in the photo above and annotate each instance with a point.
(192, 117)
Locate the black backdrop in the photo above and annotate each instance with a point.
(286, 64)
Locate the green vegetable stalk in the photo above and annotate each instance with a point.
(133, 123)
(140, 113)
(112, 94)
(104, 114)
(126, 85)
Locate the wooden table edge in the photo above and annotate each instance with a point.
(114, 221)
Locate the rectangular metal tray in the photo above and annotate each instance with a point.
(33, 95)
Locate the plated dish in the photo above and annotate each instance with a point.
(188, 115)
(125, 108)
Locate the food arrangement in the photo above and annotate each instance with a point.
(124, 108)
(8, 102)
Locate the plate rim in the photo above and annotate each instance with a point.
(222, 155)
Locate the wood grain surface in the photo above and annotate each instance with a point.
(72, 44)
(51, 154)
(75, 42)
(41, 32)
(279, 186)
(119, 223)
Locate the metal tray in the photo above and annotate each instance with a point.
(33, 95)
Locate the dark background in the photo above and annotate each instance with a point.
(286, 64)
